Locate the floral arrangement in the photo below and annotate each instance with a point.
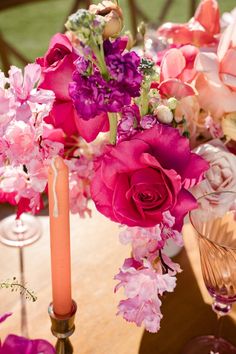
(169, 109)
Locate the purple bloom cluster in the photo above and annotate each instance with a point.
(92, 94)
(128, 123)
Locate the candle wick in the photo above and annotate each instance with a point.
(55, 175)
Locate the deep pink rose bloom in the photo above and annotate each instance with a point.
(137, 180)
(57, 69)
(20, 345)
(201, 30)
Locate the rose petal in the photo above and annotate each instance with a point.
(168, 70)
(161, 137)
(194, 171)
(175, 88)
(227, 65)
(208, 64)
(208, 15)
(210, 93)
(229, 80)
(225, 41)
(186, 202)
(63, 116)
(89, 129)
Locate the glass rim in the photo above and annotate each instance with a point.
(199, 233)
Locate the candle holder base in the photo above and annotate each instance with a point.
(62, 328)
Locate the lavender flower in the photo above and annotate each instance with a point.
(148, 121)
(129, 121)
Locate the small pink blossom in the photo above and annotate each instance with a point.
(146, 242)
(142, 313)
(20, 139)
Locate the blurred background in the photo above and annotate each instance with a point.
(26, 26)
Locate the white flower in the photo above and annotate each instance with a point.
(221, 175)
(164, 114)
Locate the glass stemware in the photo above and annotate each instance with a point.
(19, 233)
(214, 222)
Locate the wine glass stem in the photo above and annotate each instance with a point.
(24, 325)
(218, 333)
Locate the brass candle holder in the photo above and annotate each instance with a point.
(62, 328)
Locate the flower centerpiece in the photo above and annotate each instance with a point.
(161, 109)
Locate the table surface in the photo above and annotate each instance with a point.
(96, 257)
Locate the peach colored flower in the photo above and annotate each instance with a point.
(216, 82)
(201, 30)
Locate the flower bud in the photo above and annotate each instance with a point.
(113, 16)
(172, 102)
(85, 25)
(164, 114)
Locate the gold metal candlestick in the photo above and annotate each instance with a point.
(62, 328)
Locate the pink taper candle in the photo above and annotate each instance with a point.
(58, 191)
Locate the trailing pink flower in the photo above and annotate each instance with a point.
(146, 242)
(142, 284)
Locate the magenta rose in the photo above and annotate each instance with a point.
(57, 69)
(137, 180)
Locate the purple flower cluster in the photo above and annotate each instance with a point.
(92, 94)
(128, 123)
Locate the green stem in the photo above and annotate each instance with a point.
(113, 127)
(99, 53)
(144, 100)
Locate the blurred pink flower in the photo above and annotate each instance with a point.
(20, 139)
(216, 81)
(201, 30)
(175, 78)
(19, 345)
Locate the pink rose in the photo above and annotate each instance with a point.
(57, 69)
(175, 78)
(138, 180)
(216, 83)
(201, 30)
